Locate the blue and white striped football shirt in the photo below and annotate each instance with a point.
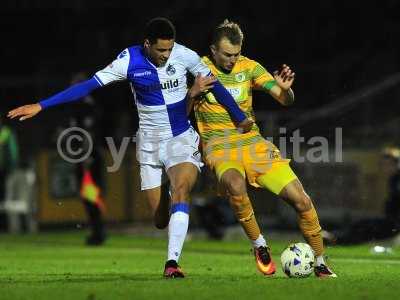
(159, 92)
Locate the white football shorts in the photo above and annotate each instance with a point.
(156, 155)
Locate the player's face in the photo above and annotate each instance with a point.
(226, 54)
(159, 52)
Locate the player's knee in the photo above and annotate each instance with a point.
(303, 203)
(180, 192)
(240, 203)
(236, 185)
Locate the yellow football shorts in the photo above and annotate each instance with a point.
(259, 161)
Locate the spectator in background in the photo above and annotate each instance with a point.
(9, 156)
(377, 228)
(391, 163)
(87, 116)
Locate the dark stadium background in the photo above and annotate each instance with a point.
(345, 55)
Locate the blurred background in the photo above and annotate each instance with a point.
(345, 55)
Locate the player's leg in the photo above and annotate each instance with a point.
(159, 206)
(232, 179)
(159, 202)
(294, 194)
(282, 181)
(151, 177)
(162, 212)
(155, 193)
(182, 162)
(182, 178)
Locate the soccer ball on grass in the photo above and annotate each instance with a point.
(298, 260)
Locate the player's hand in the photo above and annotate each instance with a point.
(201, 84)
(285, 77)
(245, 125)
(25, 112)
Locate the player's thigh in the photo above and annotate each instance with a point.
(150, 176)
(180, 149)
(231, 177)
(183, 174)
(150, 181)
(278, 176)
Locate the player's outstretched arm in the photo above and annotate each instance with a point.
(224, 98)
(203, 84)
(282, 91)
(73, 93)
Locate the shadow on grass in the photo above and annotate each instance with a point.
(148, 277)
(76, 278)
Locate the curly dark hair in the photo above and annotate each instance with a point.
(159, 28)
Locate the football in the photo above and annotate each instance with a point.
(298, 260)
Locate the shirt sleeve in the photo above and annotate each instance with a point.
(73, 93)
(194, 64)
(116, 71)
(261, 78)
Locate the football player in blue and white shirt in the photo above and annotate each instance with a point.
(157, 74)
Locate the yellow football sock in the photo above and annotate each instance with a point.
(245, 215)
(309, 226)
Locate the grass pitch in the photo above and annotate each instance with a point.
(58, 266)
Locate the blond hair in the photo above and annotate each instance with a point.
(229, 30)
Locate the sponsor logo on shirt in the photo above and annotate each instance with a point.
(166, 85)
(142, 74)
(235, 92)
(169, 84)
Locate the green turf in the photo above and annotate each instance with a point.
(58, 266)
